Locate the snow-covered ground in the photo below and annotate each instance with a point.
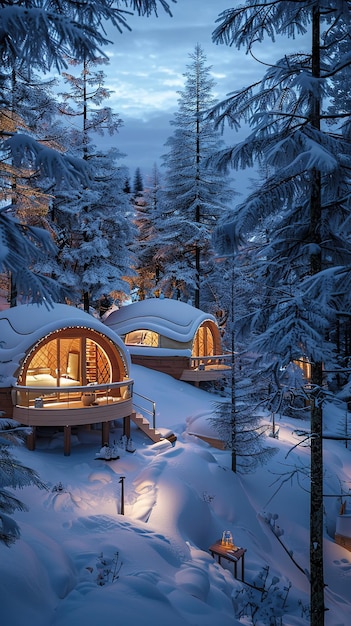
(79, 561)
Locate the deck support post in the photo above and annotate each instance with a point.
(31, 439)
(105, 433)
(67, 440)
(126, 426)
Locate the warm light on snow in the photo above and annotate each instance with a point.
(80, 562)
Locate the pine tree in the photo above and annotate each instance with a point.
(126, 187)
(138, 185)
(145, 248)
(194, 194)
(304, 201)
(238, 416)
(33, 109)
(40, 36)
(93, 225)
(13, 475)
(25, 194)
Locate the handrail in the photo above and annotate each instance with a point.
(46, 391)
(210, 357)
(86, 388)
(213, 357)
(151, 412)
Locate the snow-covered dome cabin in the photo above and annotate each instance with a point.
(172, 337)
(60, 367)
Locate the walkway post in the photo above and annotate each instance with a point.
(121, 481)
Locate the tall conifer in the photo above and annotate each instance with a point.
(304, 203)
(195, 194)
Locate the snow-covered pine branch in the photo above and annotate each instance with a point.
(63, 168)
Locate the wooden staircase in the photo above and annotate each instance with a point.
(154, 434)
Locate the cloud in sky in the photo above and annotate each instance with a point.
(146, 73)
(147, 67)
(153, 56)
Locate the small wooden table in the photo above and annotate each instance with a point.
(230, 553)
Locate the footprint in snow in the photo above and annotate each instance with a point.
(344, 564)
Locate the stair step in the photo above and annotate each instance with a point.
(141, 420)
(155, 435)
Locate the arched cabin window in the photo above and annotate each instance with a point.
(73, 357)
(142, 338)
(207, 340)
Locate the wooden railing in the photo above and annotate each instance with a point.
(149, 409)
(216, 359)
(106, 393)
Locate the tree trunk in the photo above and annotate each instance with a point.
(316, 506)
(233, 387)
(13, 292)
(316, 496)
(197, 210)
(86, 301)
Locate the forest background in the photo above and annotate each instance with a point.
(273, 268)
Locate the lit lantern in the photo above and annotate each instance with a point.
(227, 539)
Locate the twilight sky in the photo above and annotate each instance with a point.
(146, 72)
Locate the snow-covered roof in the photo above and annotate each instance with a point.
(171, 318)
(23, 326)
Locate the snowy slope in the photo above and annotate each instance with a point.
(80, 561)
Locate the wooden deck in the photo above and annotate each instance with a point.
(59, 408)
(171, 365)
(206, 374)
(72, 413)
(64, 408)
(64, 415)
(189, 369)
